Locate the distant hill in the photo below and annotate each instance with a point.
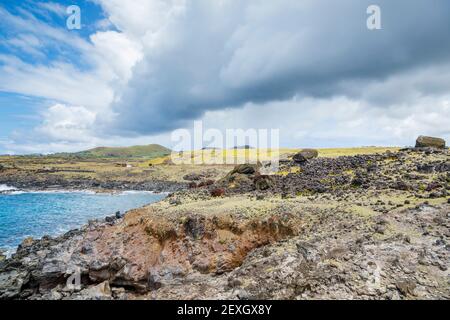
(148, 151)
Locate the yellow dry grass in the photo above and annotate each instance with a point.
(232, 156)
(170, 168)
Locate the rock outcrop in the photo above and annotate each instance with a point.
(141, 252)
(245, 169)
(430, 142)
(359, 227)
(247, 177)
(312, 252)
(305, 155)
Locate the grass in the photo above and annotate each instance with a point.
(148, 151)
(231, 156)
(159, 166)
(337, 152)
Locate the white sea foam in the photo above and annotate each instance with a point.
(60, 191)
(5, 188)
(15, 191)
(139, 192)
(8, 251)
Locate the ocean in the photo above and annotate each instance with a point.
(35, 214)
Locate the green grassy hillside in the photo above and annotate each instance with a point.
(148, 151)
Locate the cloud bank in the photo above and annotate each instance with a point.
(310, 68)
(208, 55)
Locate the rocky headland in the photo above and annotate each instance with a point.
(352, 227)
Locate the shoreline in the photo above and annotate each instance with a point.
(9, 253)
(50, 184)
(14, 191)
(8, 190)
(316, 230)
(93, 185)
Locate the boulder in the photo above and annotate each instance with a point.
(241, 177)
(263, 182)
(192, 177)
(305, 155)
(245, 169)
(430, 142)
(110, 218)
(27, 242)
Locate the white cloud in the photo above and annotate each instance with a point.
(141, 17)
(340, 121)
(28, 23)
(67, 123)
(52, 7)
(67, 128)
(318, 75)
(103, 65)
(115, 54)
(59, 81)
(202, 56)
(27, 43)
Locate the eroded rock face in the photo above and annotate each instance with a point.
(340, 258)
(430, 142)
(310, 254)
(372, 267)
(141, 252)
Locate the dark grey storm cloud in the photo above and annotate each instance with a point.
(210, 55)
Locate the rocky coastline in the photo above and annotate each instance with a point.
(357, 227)
(56, 183)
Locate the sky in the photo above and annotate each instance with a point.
(137, 70)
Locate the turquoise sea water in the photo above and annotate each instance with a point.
(35, 214)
